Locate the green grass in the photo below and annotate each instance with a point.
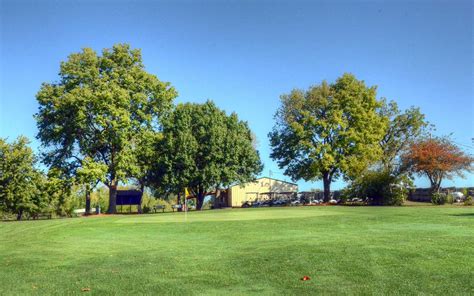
(344, 250)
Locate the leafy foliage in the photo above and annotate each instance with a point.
(402, 130)
(438, 198)
(58, 190)
(469, 201)
(437, 158)
(204, 149)
(92, 117)
(19, 178)
(328, 131)
(380, 187)
(450, 198)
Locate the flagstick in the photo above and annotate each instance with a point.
(185, 209)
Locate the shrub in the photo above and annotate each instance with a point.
(438, 198)
(468, 201)
(146, 209)
(381, 188)
(450, 199)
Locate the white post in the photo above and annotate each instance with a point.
(185, 209)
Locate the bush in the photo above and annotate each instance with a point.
(468, 201)
(450, 199)
(380, 188)
(438, 198)
(146, 209)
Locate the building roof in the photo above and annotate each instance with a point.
(266, 178)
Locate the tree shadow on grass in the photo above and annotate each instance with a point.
(471, 215)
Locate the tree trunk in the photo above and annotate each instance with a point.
(142, 189)
(112, 198)
(178, 201)
(218, 199)
(435, 185)
(200, 199)
(88, 200)
(327, 187)
(19, 215)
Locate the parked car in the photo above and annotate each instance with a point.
(246, 204)
(458, 196)
(278, 202)
(333, 202)
(295, 203)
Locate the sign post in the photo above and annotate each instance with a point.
(185, 204)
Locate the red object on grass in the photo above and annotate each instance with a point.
(305, 278)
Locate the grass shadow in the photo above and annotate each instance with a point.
(464, 215)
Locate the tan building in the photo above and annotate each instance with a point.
(262, 189)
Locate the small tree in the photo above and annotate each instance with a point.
(89, 174)
(328, 131)
(19, 178)
(437, 158)
(204, 149)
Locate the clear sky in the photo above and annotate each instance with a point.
(245, 54)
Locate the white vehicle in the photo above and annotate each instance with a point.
(314, 202)
(80, 211)
(295, 203)
(332, 201)
(458, 196)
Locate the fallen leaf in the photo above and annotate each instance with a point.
(85, 289)
(305, 278)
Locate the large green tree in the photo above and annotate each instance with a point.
(204, 149)
(97, 110)
(19, 178)
(328, 131)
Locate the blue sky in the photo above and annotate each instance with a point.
(245, 54)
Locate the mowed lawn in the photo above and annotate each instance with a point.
(344, 250)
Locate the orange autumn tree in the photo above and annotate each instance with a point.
(437, 158)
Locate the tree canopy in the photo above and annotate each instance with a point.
(204, 149)
(97, 111)
(19, 178)
(402, 130)
(437, 158)
(328, 131)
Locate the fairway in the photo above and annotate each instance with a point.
(344, 250)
